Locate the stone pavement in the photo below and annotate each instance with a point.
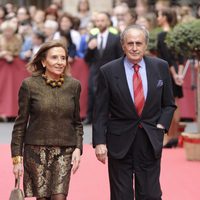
(6, 130)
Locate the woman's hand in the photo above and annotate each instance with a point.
(178, 79)
(18, 170)
(76, 158)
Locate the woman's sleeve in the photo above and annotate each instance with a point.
(19, 130)
(78, 123)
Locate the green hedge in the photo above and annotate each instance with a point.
(184, 39)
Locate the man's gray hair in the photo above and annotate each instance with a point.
(138, 27)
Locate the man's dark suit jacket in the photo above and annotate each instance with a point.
(111, 52)
(115, 117)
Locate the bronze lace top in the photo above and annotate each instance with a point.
(47, 116)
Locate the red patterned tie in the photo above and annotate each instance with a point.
(138, 90)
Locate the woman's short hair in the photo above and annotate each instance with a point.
(35, 65)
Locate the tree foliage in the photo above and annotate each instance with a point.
(184, 39)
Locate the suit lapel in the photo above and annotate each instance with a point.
(151, 80)
(121, 81)
(122, 84)
(108, 42)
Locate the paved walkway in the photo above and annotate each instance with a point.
(6, 130)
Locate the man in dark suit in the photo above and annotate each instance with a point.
(133, 109)
(102, 48)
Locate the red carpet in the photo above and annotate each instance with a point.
(180, 179)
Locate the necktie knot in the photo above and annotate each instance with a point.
(136, 68)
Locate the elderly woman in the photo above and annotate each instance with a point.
(47, 135)
(10, 42)
(50, 28)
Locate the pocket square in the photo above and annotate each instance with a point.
(160, 83)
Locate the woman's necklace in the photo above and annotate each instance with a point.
(54, 83)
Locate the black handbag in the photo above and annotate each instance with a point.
(17, 193)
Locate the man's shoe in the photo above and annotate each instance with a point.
(171, 143)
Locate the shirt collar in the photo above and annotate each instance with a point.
(104, 34)
(130, 65)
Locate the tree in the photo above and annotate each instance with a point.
(184, 40)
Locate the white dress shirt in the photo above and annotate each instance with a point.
(129, 76)
(103, 35)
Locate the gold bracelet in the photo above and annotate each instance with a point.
(17, 160)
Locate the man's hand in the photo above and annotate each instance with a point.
(101, 152)
(92, 44)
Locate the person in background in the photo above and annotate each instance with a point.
(84, 14)
(32, 9)
(147, 20)
(22, 14)
(102, 48)
(50, 29)
(10, 9)
(25, 29)
(123, 16)
(47, 135)
(32, 45)
(10, 45)
(51, 13)
(10, 42)
(84, 41)
(65, 25)
(3, 14)
(38, 20)
(67, 40)
(166, 19)
(142, 7)
(160, 5)
(185, 14)
(134, 106)
(58, 4)
(38, 38)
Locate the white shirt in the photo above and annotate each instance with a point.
(129, 76)
(75, 35)
(105, 38)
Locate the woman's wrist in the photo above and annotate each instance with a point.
(17, 160)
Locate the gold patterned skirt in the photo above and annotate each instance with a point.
(47, 170)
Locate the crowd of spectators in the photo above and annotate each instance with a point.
(28, 27)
